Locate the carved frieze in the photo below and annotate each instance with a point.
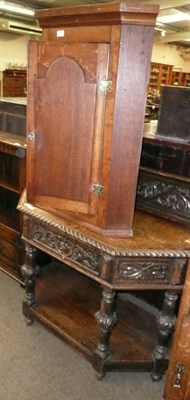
(172, 197)
(66, 248)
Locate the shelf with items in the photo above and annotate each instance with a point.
(160, 75)
(176, 77)
(180, 78)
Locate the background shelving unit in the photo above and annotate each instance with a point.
(180, 78)
(160, 75)
(12, 182)
(165, 74)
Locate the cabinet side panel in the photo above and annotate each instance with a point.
(133, 71)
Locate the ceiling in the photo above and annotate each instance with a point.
(173, 32)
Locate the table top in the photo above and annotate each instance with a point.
(151, 234)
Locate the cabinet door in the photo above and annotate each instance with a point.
(65, 123)
(178, 377)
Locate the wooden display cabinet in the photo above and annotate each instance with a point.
(12, 182)
(180, 78)
(177, 78)
(160, 75)
(86, 80)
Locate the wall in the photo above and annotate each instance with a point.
(13, 48)
(169, 54)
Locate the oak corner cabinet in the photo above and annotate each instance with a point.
(87, 81)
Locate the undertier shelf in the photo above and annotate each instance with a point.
(67, 303)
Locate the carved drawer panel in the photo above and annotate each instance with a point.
(64, 248)
(149, 271)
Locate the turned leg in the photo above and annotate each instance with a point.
(29, 271)
(166, 323)
(106, 319)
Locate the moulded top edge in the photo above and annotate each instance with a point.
(88, 9)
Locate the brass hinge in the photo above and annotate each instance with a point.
(106, 86)
(179, 371)
(97, 188)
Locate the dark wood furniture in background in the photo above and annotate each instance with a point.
(178, 376)
(164, 178)
(14, 82)
(12, 183)
(173, 119)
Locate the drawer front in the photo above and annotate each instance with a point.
(147, 271)
(80, 256)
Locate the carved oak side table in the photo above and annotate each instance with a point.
(84, 294)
